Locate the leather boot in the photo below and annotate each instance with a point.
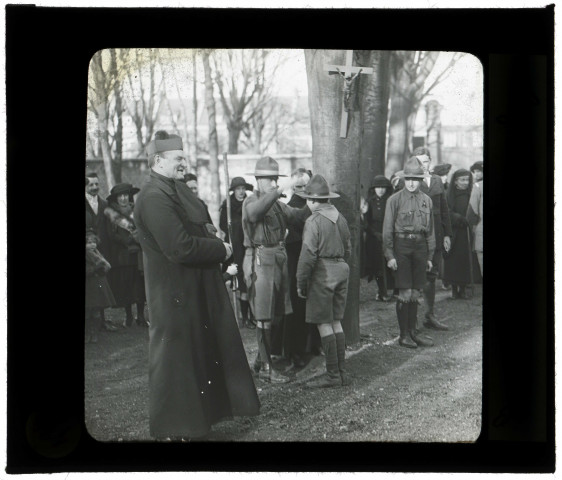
(454, 292)
(332, 377)
(246, 315)
(402, 314)
(420, 340)
(128, 315)
(267, 372)
(382, 295)
(429, 297)
(432, 322)
(340, 350)
(141, 321)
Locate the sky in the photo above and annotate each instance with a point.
(461, 94)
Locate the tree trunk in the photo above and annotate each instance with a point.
(195, 163)
(233, 137)
(118, 157)
(214, 200)
(337, 160)
(374, 113)
(397, 134)
(105, 148)
(102, 112)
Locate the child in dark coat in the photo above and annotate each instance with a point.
(98, 292)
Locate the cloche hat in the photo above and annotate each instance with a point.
(317, 188)
(381, 181)
(240, 182)
(442, 169)
(266, 167)
(413, 169)
(119, 189)
(477, 166)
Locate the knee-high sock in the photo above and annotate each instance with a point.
(263, 336)
(140, 312)
(244, 307)
(402, 314)
(429, 294)
(329, 344)
(129, 314)
(340, 349)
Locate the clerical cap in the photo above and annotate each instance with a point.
(173, 142)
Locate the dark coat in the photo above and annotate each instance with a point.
(374, 252)
(98, 223)
(458, 260)
(198, 371)
(237, 240)
(441, 219)
(98, 292)
(125, 276)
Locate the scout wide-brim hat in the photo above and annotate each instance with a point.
(442, 169)
(380, 181)
(317, 188)
(240, 182)
(119, 189)
(266, 167)
(413, 169)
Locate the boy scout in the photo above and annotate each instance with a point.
(409, 243)
(264, 221)
(322, 276)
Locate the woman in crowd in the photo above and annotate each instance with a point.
(381, 189)
(126, 275)
(238, 187)
(457, 271)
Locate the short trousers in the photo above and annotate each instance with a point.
(327, 291)
(411, 257)
(267, 280)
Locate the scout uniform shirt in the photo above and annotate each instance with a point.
(408, 212)
(322, 271)
(264, 221)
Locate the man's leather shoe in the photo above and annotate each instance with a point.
(326, 381)
(431, 322)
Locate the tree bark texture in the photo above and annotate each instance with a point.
(375, 96)
(101, 101)
(214, 201)
(118, 136)
(409, 71)
(337, 160)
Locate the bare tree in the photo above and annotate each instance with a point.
(214, 201)
(246, 91)
(147, 93)
(100, 87)
(409, 72)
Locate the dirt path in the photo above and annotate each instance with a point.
(428, 394)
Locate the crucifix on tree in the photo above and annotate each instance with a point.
(349, 73)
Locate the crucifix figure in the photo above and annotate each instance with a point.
(349, 73)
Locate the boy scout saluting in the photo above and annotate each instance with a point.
(322, 276)
(264, 221)
(409, 244)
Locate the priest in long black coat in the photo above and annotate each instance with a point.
(198, 370)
